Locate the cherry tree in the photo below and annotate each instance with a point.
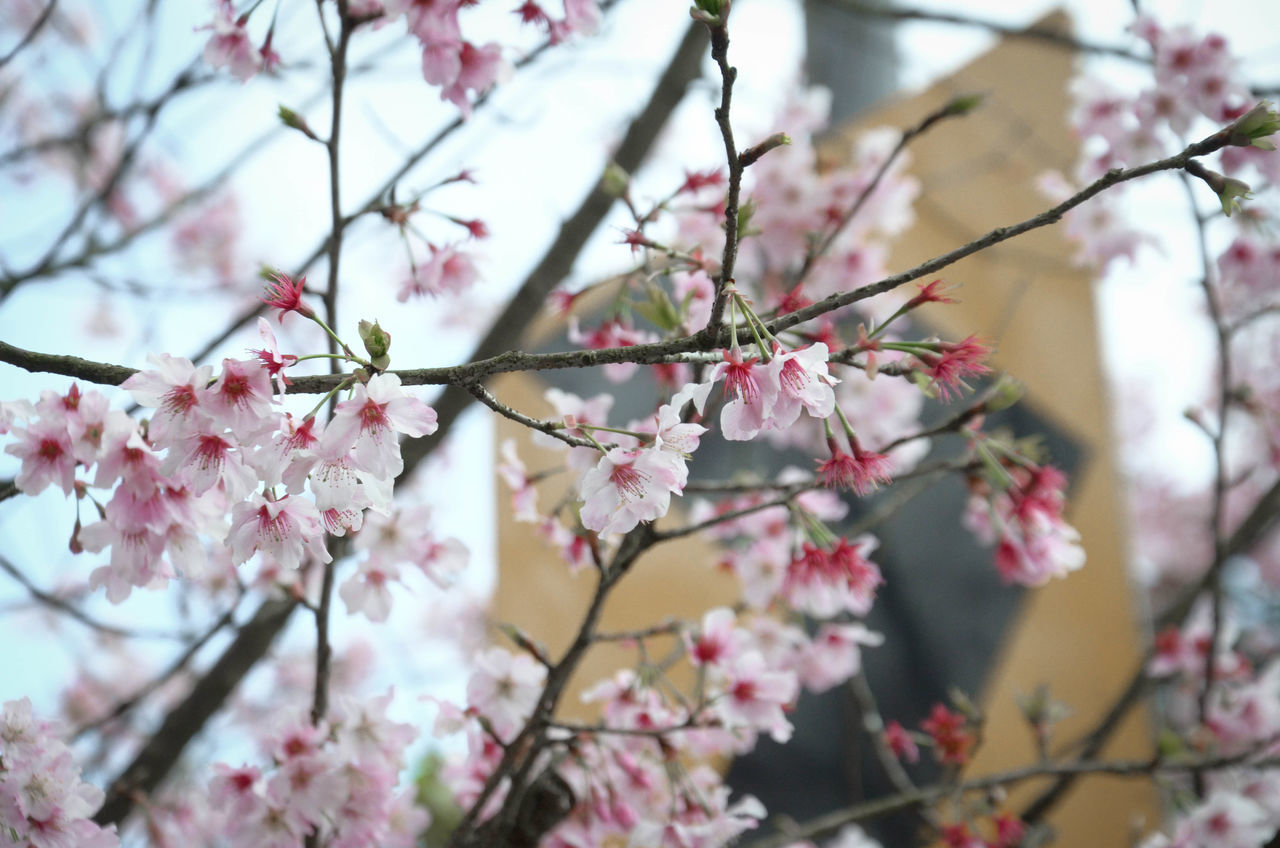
(275, 451)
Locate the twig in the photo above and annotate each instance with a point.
(155, 683)
(71, 611)
(1048, 36)
(45, 16)
(376, 200)
(1114, 177)
(831, 822)
(949, 110)
(551, 428)
(338, 61)
(720, 55)
(184, 721)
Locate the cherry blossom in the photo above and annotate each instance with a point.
(803, 382)
(230, 45)
(823, 582)
(285, 295)
(177, 390)
(43, 802)
(368, 423)
(447, 271)
(952, 739)
(749, 396)
(504, 689)
(287, 529)
(627, 487)
(47, 457)
(753, 696)
(860, 471)
(835, 655)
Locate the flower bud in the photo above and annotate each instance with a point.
(963, 104)
(292, 119)
(615, 180)
(710, 9)
(1254, 128)
(751, 154)
(1006, 393)
(377, 342)
(1230, 191)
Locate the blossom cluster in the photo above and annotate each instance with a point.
(43, 801)
(335, 780)
(1025, 522)
(215, 445)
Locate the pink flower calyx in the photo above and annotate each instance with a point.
(934, 292)
(860, 471)
(286, 295)
(636, 240)
(953, 362)
(952, 739)
(477, 228)
(695, 181)
(739, 381)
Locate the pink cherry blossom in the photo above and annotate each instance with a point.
(287, 530)
(479, 68)
(628, 487)
(504, 688)
(285, 294)
(368, 590)
(241, 398)
(271, 358)
(749, 396)
(230, 45)
(835, 655)
(447, 271)
(754, 695)
(718, 641)
(369, 421)
(47, 457)
(803, 383)
(823, 582)
(177, 390)
(861, 471)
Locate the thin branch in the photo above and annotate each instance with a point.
(831, 822)
(522, 754)
(1217, 438)
(45, 16)
(377, 199)
(728, 259)
(155, 683)
(183, 82)
(184, 721)
(955, 422)
(70, 610)
(951, 109)
(690, 529)
(1112, 178)
(873, 726)
(1046, 36)
(489, 361)
(552, 428)
(338, 61)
